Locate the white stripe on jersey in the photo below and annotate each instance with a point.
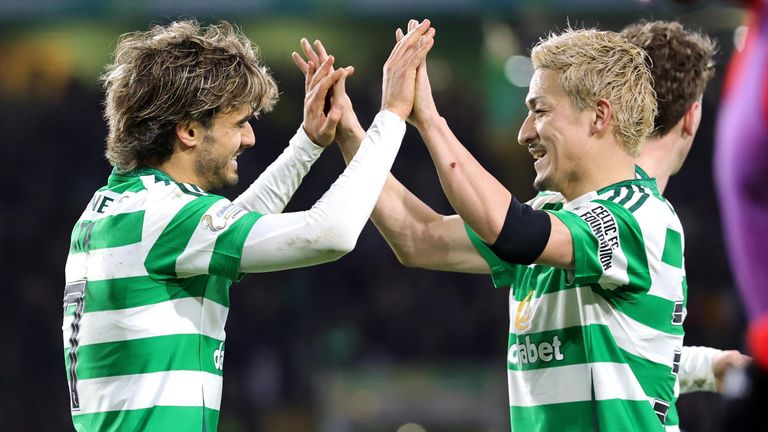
(130, 392)
(668, 283)
(127, 202)
(150, 321)
(609, 383)
(101, 263)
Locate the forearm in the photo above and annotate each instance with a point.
(418, 236)
(273, 189)
(472, 191)
(330, 228)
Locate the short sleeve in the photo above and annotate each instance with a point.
(608, 247)
(502, 272)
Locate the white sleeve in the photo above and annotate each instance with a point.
(696, 369)
(328, 230)
(273, 189)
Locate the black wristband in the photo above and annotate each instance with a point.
(524, 235)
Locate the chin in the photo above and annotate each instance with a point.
(542, 184)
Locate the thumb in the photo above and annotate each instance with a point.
(340, 87)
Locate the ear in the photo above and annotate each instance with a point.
(189, 133)
(602, 117)
(691, 119)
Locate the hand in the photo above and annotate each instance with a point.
(423, 105)
(724, 361)
(399, 82)
(348, 127)
(319, 124)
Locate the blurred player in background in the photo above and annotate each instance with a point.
(153, 255)
(741, 174)
(741, 162)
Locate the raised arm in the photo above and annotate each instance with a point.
(330, 228)
(419, 236)
(489, 208)
(273, 189)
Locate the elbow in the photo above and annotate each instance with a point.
(339, 241)
(408, 260)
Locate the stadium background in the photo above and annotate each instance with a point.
(362, 344)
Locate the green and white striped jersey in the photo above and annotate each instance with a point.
(146, 301)
(150, 266)
(598, 347)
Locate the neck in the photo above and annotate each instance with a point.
(180, 167)
(605, 170)
(656, 159)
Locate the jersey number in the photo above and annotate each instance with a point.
(74, 297)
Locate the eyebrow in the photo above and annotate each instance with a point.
(246, 118)
(532, 101)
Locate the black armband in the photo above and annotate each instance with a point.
(524, 235)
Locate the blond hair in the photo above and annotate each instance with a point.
(603, 65)
(180, 72)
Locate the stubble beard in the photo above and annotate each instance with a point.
(211, 169)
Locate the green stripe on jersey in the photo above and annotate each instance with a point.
(229, 246)
(502, 272)
(112, 231)
(569, 343)
(673, 249)
(639, 203)
(161, 260)
(113, 294)
(605, 415)
(657, 380)
(147, 355)
(652, 311)
(155, 419)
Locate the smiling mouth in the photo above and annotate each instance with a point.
(538, 153)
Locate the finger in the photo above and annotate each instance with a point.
(328, 129)
(319, 91)
(340, 88)
(322, 71)
(308, 76)
(398, 34)
(350, 70)
(334, 114)
(309, 52)
(412, 24)
(410, 39)
(299, 62)
(417, 56)
(320, 49)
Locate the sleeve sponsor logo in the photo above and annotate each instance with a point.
(604, 227)
(221, 218)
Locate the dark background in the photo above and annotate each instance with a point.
(361, 344)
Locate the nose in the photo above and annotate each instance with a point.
(247, 138)
(527, 133)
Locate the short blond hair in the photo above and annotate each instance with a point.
(180, 72)
(603, 65)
